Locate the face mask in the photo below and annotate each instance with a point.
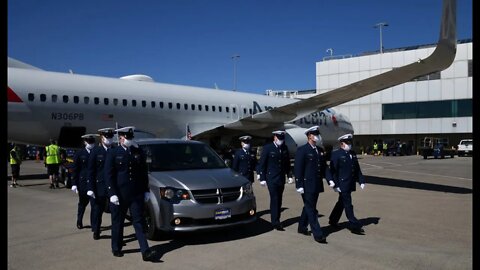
(107, 141)
(315, 138)
(279, 142)
(347, 147)
(246, 146)
(127, 143)
(90, 146)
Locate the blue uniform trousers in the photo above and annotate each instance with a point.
(310, 214)
(344, 202)
(276, 194)
(83, 200)
(98, 206)
(118, 212)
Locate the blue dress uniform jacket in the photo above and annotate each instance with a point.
(244, 163)
(274, 164)
(126, 172)
(96, 173)
(345, 170)
(80, 171)
(310, 168)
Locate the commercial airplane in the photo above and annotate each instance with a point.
(44, 105)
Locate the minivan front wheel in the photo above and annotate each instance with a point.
(150, 226)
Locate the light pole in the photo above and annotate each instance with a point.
(330, 50)
(234, 57)
(379, 26)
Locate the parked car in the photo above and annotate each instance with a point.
(192, 189)
(465, 147)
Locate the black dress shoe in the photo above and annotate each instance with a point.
(279, 227)
(358, 231)
(149, 255)
(321, 240)
(79, 225)
(117, 253)
(303, 231)
(96, 236)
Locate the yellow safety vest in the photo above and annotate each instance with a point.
(53, 154)
(375, 147)
(14, 159)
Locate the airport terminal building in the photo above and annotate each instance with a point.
(435, 105)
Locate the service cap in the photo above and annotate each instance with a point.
(279, 133)
(126, 131)
(245, 138)
(315, 130)
(107, 132)
(345, 138)
(90, 138)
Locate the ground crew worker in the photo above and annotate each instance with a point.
(97, 187)
(385, 148)
(245, 161)
(344, 172)
(80, 177)
(15, 161)
(273, 166)
(52, 161)
(310, 167)
(375, 148)
(127, 182)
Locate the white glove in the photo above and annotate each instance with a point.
(362, 186)
(337, 189)
(263, 183)
(258, 176)
(74, 188)
(91, 194)
(331, 183)
(114, 200)
(300, 190)
(147, 196)
(290, 180)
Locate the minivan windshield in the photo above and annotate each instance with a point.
(181, 156)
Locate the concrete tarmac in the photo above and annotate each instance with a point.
(417, 214)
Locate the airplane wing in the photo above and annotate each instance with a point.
(440, 59)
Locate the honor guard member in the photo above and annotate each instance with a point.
(52, 161)
(127, 182)
(97, 187)
(245, 161)
(310, 167)
(274, 165)
(344, 172)
(15, 161)
(80, 177)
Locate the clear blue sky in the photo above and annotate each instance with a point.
(191, 42)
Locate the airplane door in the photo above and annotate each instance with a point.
(234, 114)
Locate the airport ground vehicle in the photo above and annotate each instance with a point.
(465, 147)
(436, 147)
(193, 189)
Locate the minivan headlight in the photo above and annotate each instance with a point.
(174, 194)
(247, 189)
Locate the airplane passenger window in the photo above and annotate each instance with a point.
(31, 97)
(244, 110)
(170, 105)
(43, 97)
(227, 109)
(65, 99)
(250, 111)
(185, 106)
(86, 100)
(213, 108)
(124, 102)
(115, 101)
(96, 100)
(134, 103)
(220, 108)
(153, 104)
(54, 98)
(178, 106)
(193, 107)
(105, 101)
(161, 104)
(199, 107)
(206, 108)
(76, 99)
(144, 103)
(234, 110)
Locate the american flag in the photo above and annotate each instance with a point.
(106, 117)
(188, 136)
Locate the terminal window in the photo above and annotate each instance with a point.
(427, 109)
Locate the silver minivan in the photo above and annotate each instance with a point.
(192, 189)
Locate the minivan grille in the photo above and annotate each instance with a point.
(217, 196)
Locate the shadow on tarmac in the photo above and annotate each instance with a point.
(416, 185)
